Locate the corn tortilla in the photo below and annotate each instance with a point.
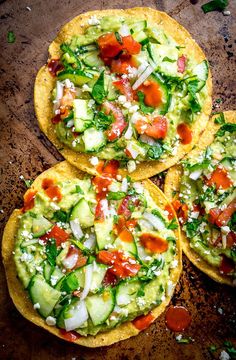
(44, 85)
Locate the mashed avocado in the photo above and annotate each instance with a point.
(94, 253)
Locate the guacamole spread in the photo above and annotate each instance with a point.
(206, 203)
(95, 253)
(125, 89)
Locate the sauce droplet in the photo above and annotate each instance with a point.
(29, 200)
(178, 318)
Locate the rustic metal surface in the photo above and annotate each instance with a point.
(25, 151)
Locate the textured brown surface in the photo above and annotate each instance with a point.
(25, 151)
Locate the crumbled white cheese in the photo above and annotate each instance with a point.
(28, 8)
(131, 166)
(94, 160)
(25, 257)
(132, 72)
(68, 84)
(140, 301)
(174, 264)
(133, 109)
(118, 177)
(124, 185)
(39, 269)
(41, 242)
(138, 187)
(50, 320)
(93, 20)
(220, 311)
(122, 99)
(127, 104)
(225, 229)
(91, 103)
(226, 13)
(179, 337)
(224, 355)
(85, 87)
(54, 280)
(36, 306)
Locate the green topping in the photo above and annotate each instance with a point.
(98, 92)
(226, 128)
(11, 38)
(214, 5)
(220, 119)
(51, 251)
(116, 195)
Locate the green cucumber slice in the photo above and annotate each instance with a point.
(126, 292)
(100, 306)
(41, 292)
(40, 226)
(128, 247)
(104, 232)
(78, 77)
(92, 59)
(99, 271)
(47, 271)
(82, 212)
(83, 114)
(201, 70)
(93, 139)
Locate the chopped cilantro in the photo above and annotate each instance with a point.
(172, 225)
(79, 190)
(116, 195)
(228, 127)
(192, 227)
(214, 5)
(11, 38)
(155, 152)
(166, 58)
(28, 182)
(212, 348)
(60, 215)
(231, 350)
(220, 119)
(158, 214)
(98, 91)
(115, 219)
(51, 252)
(70, 283)
(102, 121)
(186, 340)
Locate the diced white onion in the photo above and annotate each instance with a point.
(87, 281)
(104, 207)
(76, 229)
(142, 67)
(70, 261)
(79, 317)
(224, 241)
(90, 242)
(59, 91)
(124, 185)
(143, 77)
(124, 30)
(147, 139)
(145, 224)
(134, 153)
(195, 174)
(129, 132)
(154, 220)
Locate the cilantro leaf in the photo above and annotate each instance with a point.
(70, 283)
(11, 38)
(228, 127)
(173, 225)
(214, 5)
(116, 195)
(51, 252)
(192, 227)
(145, 109)
(60, 215)
(98, 91)
(166, 58)
(102, 121)
(155, 151)
(220, 119)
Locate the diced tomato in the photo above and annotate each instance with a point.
(109, 46)
(56, 233)
(198, 208)
(46, 183)
(142, 322)
(54, 66)
(121, 65)
(158, 128)
(226, 214)
(141, 126)
(71, 336)
(227, 265)
(67, 99)
(126, 236)
(231, 239)
(81, 259)
(154, 243)
(185, 133)
(220, 179)
(176, 204)
(109, 279)
(214, 213)
(54, 193)
(152, 93)
(131, 46)
(181, 63)
(122, 266)
(130, 224)
(56, 119)
(118, 126)
(99, 211)
(178, 318)
(171, 214)
(29, 200)
(124, 87)
(111, 168)
(123, 208)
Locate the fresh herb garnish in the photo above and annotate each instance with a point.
(186, 340)
(28, 182)
(118, 38)
(158, 214)
(79, 190)
(98, 91)
(214, 5)
(60, 215)
(11, 38)
(51, 251)
(192, 227)
(70, 283)
(212, 348)
(192, 87)
(166, 58)
(116, 195)
(102, 121)
(144, 108)
(172, 225)
(231, 350)
(226, 128)
(155, 151)
(220, 119)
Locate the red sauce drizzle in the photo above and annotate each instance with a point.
(54, 66)
(46, 183)
(171, 214)
(142, 322)
(56, 119)
(103, 180)
(71, 336)
(178, 318)
(29, 200)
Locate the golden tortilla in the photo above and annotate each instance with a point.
(61, 172)
(172, 183)
(45, 83)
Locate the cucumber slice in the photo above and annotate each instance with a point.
(137, 31)
(41, 292)
(61, 256)
(40, 226)
(128, 247)
(83, 114)
(126, 292)
(165, 57)
(104, 232)
(201, 70)
(92, 59)
(109, 87)
(78, 77)
(140, 36)
(99, 271)
(93, 139)
(56, 276)
(100, 306)
(47, 271)
(82, 212)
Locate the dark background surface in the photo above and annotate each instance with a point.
(25, 151)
